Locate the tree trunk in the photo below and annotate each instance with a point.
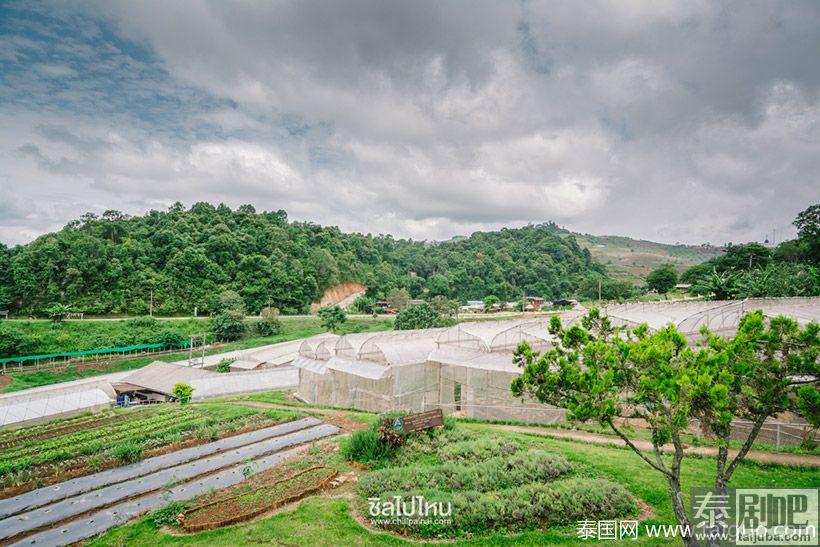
(724, 472)
(679, 507)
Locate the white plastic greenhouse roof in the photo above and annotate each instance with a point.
(162, 377)
(501, 335)
(55, 402)
(245, 382)
(313, 365)
(721, 315)
(802, 310)
(365, 369)
(388, 351)
(277, 354)
(535, 332)
(310, 346)
(460, 357)
(348, 345)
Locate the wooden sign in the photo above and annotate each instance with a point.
(417, 422)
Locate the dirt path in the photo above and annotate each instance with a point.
(339, 418)
(760, 456)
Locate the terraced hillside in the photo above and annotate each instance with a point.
(633, 259)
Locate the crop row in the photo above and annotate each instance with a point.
(110, 433)
(146, 434)
(95, 446)
(34, 437)
(11, 435)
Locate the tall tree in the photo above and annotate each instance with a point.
(601, 373)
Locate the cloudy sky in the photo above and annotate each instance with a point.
(673, 121)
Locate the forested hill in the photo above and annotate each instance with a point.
(112, 263)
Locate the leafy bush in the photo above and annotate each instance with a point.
(231, 301)
(14, 344)
(364, 446)
(57, 312)
(168, 515)
(268, 323)
(421, 316)
(229, 326)
(144, 322)
(535, 504)
(478, 450)
(168, 337)
(183, 393)
(128, 451)
(495, 474)
(332, 317)
(224, 365)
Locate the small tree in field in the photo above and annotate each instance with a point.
(491, 303)
(601, 373)
(398, 298)
(58, 312)
(662, 279)
(229, 326)
(332, 317)
(183, 393)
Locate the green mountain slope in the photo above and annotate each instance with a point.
(633, 259)
(182, 259)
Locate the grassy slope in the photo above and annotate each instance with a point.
(633, 259)
(93, 334)
(323, 521)
(292, 329)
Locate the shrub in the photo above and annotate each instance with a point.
(478, 450)
(224, 365)
(229, 326)
(128, 451)
(364, 446)
(421, 316)
(495, 474)
(169, 337)
(231, 301)
(15, 344)
(168, 515)
(332, 317)
(535, 504)
(268, 323)
(144, 322)
(183, 393)
(57, 312)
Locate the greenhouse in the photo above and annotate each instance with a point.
(467, 369)
(719, 316)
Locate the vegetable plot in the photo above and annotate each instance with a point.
(246, 505)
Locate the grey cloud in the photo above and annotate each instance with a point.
(679, 121)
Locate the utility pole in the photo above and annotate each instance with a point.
(151, 304)
(599, 290)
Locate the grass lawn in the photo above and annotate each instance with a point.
(292, 329)
(328, 520)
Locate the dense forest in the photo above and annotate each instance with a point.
(181, 259)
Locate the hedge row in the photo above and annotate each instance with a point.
(560, 502)
(493, 474)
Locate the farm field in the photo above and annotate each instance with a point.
(292, 329)
(45, 454)
(633, 259)
(338, 516)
